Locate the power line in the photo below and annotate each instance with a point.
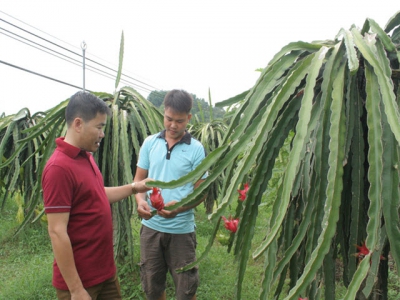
(37, 29)
(74, 46)
(66, 49)
(50, 42)
(19, 40)
(70, 59)
(41, 75)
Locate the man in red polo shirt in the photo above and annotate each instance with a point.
(78, 206)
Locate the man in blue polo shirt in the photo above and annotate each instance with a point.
(168, 240)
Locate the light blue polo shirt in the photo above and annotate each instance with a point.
(170, 164)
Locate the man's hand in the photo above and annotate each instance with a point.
(80, 294)
(141, 187)
(144, 210)
(168, 214)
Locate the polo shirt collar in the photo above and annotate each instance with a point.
(187, 137)
(68, 149)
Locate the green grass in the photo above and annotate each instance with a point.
(25, 260)
(26, 263)
(217, 271)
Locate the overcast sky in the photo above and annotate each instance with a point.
(192, 45)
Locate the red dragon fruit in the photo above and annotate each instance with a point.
(156, 199)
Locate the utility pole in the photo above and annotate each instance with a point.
(83, 46)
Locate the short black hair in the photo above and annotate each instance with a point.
(179, 101)
(86, 106)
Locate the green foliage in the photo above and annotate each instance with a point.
(331, 106)
(118, 155)
(26, 263)
(121, 59)
(341, 183)
(211, 135)
(27, 143)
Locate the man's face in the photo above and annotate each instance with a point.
(175, 124)
(92, 133)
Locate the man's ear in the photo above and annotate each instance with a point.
(189, 116)
(77, 124)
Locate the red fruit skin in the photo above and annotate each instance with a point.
(156, 199)
(362, 251)
(231, 224)
(243, 193)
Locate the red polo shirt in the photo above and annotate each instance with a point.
(72, 183)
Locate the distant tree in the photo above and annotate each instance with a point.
(200, 106)
(156, 97)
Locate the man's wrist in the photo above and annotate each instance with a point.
(179, 210)
(134, 190)
(140, 200)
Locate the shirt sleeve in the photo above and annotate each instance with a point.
(57, 190)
